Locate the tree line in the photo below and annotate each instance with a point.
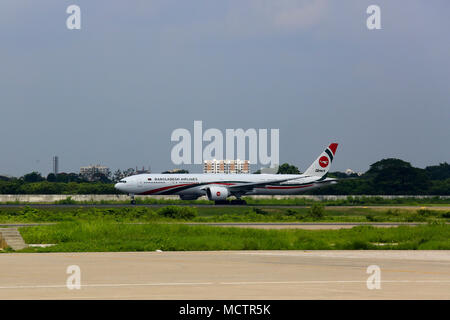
(385, 177)
(392, 177)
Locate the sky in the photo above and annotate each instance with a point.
(113, 92)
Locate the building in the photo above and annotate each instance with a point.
(90, 171)
(143, 170)
(55, 165)
(350, 172)
(226, 166)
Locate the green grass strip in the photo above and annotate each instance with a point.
(109, 236)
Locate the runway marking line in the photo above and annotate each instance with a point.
(109, 285)
(334, 281)
(441, 281)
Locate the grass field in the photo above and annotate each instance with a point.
(108, 236)
(144, 228)
(314, 213)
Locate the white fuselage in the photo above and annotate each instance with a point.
(196, 185)
(219, 187)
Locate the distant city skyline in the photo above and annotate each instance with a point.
(114, 91)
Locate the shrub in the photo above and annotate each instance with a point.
(415, 217)
(67, 200)
(316, 211)
(426, 212)
(259, 211)
(175, 212)
(290, 212)
(393, 212)
(446, 215)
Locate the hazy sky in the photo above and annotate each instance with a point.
(113, 92)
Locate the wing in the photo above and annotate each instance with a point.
(252, 185)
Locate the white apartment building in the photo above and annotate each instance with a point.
(89, 171)
(226, 166)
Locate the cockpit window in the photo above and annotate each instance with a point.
(122, 181)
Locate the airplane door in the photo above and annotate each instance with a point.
(140, 183)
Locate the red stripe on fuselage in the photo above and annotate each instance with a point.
(181, 185)
(222, 183)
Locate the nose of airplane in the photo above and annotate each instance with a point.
(118, 186)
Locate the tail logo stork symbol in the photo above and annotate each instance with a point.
(323, 161)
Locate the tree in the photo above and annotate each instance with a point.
(33, 177)
(440, 172)
(117, 175)
(440, 187)
(341, 175)
(100, 177)
(286, 168)
(4, 178)
(51, 177)
(176, 171)
(62, 177)
(128, 172)
(74, 177)
(395, 176)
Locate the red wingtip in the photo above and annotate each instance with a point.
(333, 147)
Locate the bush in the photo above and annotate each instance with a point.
(393, 212)
(446, 215)
(316, 211)
(426, 212)
(415, 217)
(290, 212)
(175, 212)
(259, 211)
(67, 200)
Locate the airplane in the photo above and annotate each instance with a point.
(219, 187)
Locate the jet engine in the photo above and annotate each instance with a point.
(217, 193)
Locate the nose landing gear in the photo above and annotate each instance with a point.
(132, 199)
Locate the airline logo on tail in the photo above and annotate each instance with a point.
(324, 161)
(322, 164)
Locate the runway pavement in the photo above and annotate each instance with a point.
(227, 275)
